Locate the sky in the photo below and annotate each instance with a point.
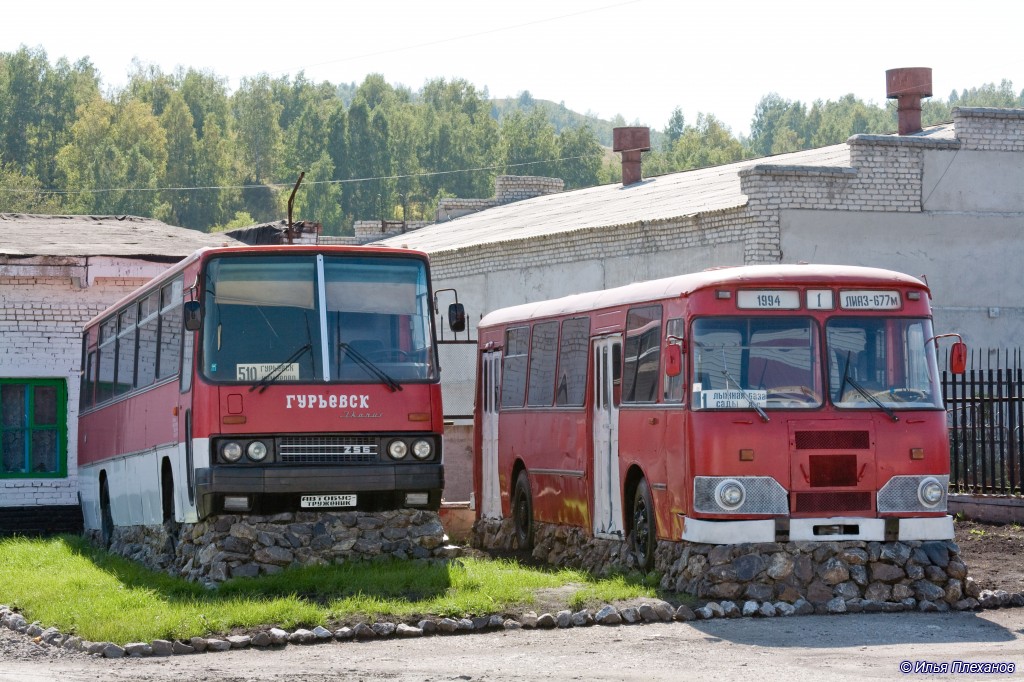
(638, 58)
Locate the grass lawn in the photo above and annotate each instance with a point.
(67, 583)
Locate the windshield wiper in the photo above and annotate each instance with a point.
(847, 379)
(368, 364)
(743, 392)
(273, 374)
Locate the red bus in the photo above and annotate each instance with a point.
(745, 404)
(263, 379)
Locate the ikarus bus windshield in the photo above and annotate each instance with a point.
(353, 319)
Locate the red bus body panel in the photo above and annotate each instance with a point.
(831, 461)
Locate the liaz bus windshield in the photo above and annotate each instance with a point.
(882, 362)
(354, 319)
(756, 363)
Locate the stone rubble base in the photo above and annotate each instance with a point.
(232, 546)
(833, 577)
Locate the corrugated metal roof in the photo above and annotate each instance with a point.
(23, 235)
(660, 198)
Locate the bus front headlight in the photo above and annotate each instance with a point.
(257, 450)
(729, 494)
(421, 449)
(231, 451)
(398, 449)
(930, 492)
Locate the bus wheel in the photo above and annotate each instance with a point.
(106, 518)
(642, 537)
(522, 512)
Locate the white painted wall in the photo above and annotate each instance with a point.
(973, 262)
(43, 308)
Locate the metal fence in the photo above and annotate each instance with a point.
(985, 413)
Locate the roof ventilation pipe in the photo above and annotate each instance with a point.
(907, 86)
(631, 142)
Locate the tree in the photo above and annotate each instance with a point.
(848, 116)
(181, 162)
(527, 144)
(38, 106)
(707, 143)
(779, 126)
(674, 129)
(20, 193)
(581, 156)
(258, 128)
(117, 155)
(318, 198)
(458, 133)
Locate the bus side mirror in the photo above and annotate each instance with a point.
(673, 360)
(958, 357)
(457, 317)
(193, 316)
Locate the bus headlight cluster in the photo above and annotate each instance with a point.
(729, 494)
(421, 449)
(398, 449)
(232, 451)
(257, 451)
(930, 492)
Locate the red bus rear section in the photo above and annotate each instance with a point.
(746, 404)
(263, 379)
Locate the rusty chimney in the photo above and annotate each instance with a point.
(907, 86)
(632, 142)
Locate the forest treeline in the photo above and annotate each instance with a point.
(184, 149)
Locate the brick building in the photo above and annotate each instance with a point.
(945, 203)
(57, 272)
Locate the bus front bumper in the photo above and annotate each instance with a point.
(831, 529)
(277, 488)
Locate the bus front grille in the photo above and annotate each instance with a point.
(833, 440)
(327, 450)
(833, 503)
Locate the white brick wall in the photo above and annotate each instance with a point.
(1000, 130)
(41, 318)
(885, 175)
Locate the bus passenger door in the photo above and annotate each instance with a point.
(607, 498)
(490, 490)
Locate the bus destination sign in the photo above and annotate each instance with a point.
(869, 299)
(768, 299)
(260, 371)
(727, 399)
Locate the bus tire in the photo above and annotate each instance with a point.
(106, 517)
(522, 512)
(642, 536)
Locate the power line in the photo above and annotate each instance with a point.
(49, 192)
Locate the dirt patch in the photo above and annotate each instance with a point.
(994, 554)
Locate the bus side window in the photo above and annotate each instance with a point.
(617, 374)
(643, 355)
(572, 362)
(674, 386)
(514, 363)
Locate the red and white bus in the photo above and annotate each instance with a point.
(263, 379)
(744, 404)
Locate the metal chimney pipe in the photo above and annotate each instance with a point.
(907, 86)
(631, 142)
